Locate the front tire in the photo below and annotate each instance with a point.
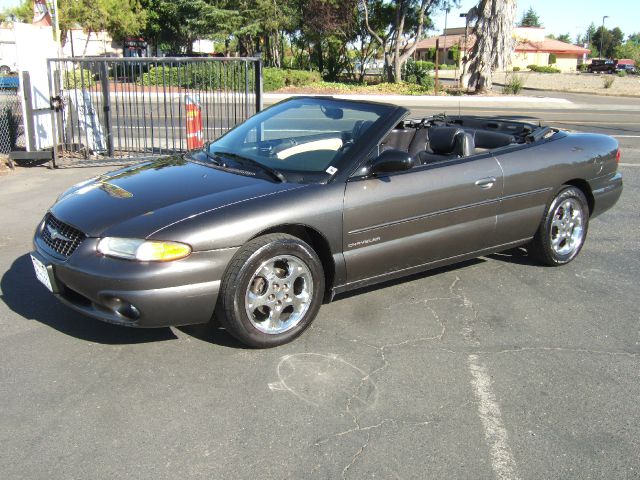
(563, 229)
(271, 291)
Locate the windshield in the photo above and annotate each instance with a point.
(301, 135)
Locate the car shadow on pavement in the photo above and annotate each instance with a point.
(410, 278)
(518, 256)
(24, 295)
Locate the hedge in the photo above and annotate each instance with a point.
(543, 69)
(196, 76)
(276, 78)
(78, 78)
(418, 73)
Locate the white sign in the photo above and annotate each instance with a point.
(88, 119)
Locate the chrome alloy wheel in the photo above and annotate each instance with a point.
(567, 227)
(279, 294)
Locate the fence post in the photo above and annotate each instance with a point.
(259, 83)
(106, 101)
(29, 130)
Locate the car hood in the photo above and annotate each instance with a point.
(137, 201)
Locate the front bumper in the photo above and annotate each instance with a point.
(136, 294)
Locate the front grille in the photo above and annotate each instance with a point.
(60, 237)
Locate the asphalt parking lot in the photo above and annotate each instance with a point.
(494, 368)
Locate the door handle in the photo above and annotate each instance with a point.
(486, 183)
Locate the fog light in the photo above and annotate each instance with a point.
(122, 308)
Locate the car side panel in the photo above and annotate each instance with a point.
(413, 218)
(533, 174)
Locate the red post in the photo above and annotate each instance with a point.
(194, 122)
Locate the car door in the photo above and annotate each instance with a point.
(407, 220)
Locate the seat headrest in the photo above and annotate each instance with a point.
(360, 127)
(442, 140)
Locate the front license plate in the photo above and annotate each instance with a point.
(42, 273)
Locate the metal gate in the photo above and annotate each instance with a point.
(125, 110)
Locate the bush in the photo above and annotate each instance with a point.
(543, 69)
(78, 78)
(516, 69)
(276, 78)
(418, 73)
(583, 67)
(513, 85)
(622, 73)
(607, 82)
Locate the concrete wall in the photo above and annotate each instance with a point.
(566, 62)
(522, 59)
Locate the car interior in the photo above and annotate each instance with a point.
(441, 138)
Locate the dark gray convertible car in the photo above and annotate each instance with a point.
(310, 198)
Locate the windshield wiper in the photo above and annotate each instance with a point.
(277, 175)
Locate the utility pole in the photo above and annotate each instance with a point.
(602, 34)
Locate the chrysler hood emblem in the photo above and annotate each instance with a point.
(56, 235)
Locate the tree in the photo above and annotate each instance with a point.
(410, 18)
(565, 37)
(494, 41)
(530, 19)
(173, 25)
(629, 49)
(120, 18)
(20, 13)
(611, 40)
(327, 24)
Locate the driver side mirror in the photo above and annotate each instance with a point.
(390, 161)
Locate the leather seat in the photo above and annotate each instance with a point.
(419, 142)
(447, 143)
(359, 128)
(398, 139)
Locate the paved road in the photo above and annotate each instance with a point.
(495, 368)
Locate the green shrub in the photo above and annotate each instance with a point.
(583, 67)
(513, 85)
(622, 73)
(516, 69)
(276, 78)
(607, 81)
(204, 76)
(78, 78)
(418, 73)
(543, 69)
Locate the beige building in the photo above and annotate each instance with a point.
(531, 48)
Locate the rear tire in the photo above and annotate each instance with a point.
(272, 290)
(563, 229)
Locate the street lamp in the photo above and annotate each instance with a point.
(602, 34)
(464, 57)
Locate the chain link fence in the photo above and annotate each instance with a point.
(11, 122)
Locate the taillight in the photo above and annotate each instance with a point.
(618, 156)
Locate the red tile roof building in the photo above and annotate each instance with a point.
(531, 47)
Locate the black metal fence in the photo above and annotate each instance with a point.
(118, 111)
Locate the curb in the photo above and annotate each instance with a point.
(429, 100)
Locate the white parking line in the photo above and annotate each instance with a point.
(625, 136)
(629, 164)
(504, 466)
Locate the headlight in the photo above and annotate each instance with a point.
(143, 250)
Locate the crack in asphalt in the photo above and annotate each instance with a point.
(456, 294)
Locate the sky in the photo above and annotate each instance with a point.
(557, 16)
(563, 16)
